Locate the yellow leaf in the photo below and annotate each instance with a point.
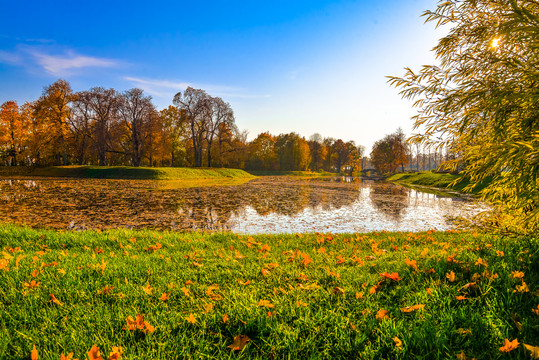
(265, 303)
(517, 274)
(164, 297)
(191, 319)
(55, 300)
(147, 289)
(398, 342)
(450, 276)
(534, 351)
(94, 354)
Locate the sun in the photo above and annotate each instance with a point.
(495, 42)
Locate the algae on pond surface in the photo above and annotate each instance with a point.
(264, 205)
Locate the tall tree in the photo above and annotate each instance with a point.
(14, 123)
(138, 114)
(482, 100)
(318, 152)
(194, 102)
(219, 113)
(53, 109)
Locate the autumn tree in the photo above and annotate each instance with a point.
(14, 123)
(176, 128)
(482, 98)
(219, 117)
(53, 110)
(389, 153)
(293, 152)
(318, 152)
(262, 154)
(138, 115)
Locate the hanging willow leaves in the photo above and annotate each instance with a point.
(482, 101)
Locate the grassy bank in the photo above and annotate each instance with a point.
(370, 296)
(435, 180)
(127, 172)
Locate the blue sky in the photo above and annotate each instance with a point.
(313, 66)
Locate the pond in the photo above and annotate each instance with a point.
(263, 205)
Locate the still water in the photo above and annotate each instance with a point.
(263, 205)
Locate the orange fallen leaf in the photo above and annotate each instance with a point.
(398, 342)
(412, 308)
(373, 289)
(185, 291)
(244, 283)
(359, 295)
(55, 300)
(460, 298)
(164, 297)
(517, 274)
(191, 319)
(301, 303)
(450, 276)
(429, 291)
(411, 263)
(33, 353)
(340, 260)
(522, 288)
(35, 273)
(499, 253)
(393, 276)
(225, 318)
(534, 351)
(94, 354)
(265, 303)
(138, 324)
(424, 252)
(265, 272)
(240, 341)
(67, 357)
(482, 262)
(115, 354)
(509, 345)
(381, 315)
(188, 282)
(536, 311)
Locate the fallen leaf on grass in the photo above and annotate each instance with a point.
(67, 357)
(509, 345)
(517, 274)
(522, 288)
(393, 276)
(412, 264)
(536, 311)
(225, 318)
(265, 303)
(55, 300)
(138, 324)
(164, 297)
(240, 341)
(482, 262)
(244, 283)
(338, 291)
(460, 298)
(429, 291)
(185, 291)
(33, 353)
(359, 295)
(412, 308)
(147, 289)
(265, 272)
(398, 342)
(381, 315)
(191, 319)
(534, 351)
(450, 276)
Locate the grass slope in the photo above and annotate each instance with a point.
(294, 296)
(437, 180)
(127, 172)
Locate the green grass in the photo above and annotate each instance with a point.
(203, 276)
(436, 180)
(127, 172)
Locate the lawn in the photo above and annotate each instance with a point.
(163, 295)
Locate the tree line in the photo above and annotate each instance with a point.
(105, 127)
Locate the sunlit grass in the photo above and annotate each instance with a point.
(303, 296)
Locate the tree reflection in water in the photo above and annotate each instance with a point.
(268, 204)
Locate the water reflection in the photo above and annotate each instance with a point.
(269, 204)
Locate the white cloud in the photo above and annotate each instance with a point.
(10, 58)
(167, 89)
(64, 64)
